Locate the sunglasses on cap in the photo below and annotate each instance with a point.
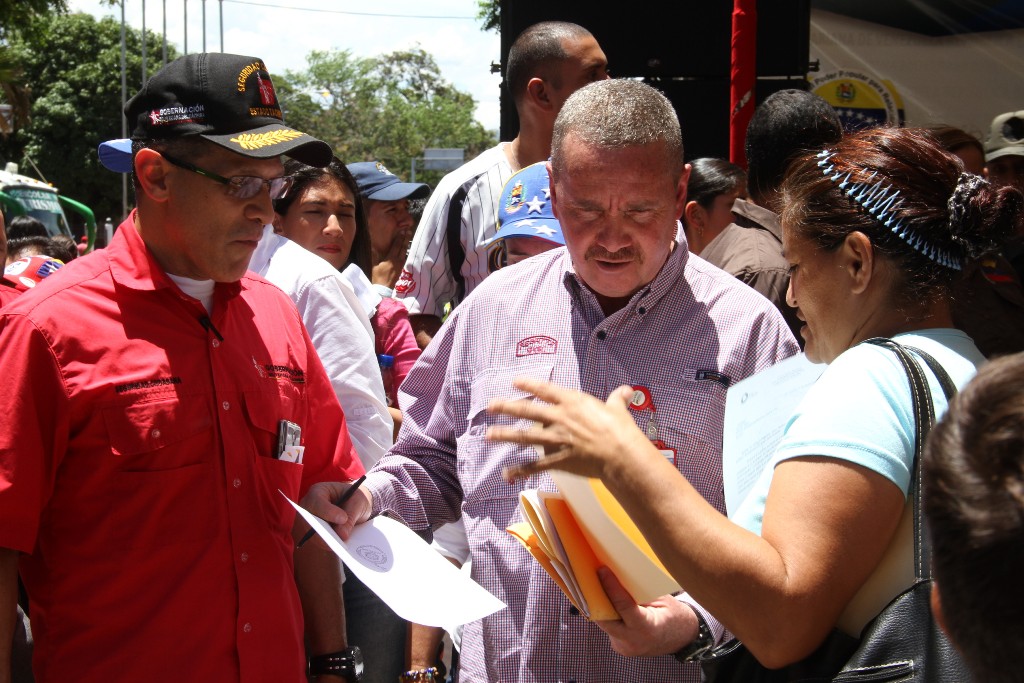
(239, 186)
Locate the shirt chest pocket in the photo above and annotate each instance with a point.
(481, 460)
(496, 383)
(160, 435)
(163, 476)
(689, 419)
(274, 476)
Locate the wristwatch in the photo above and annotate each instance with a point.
(697, 648)
(347, 663)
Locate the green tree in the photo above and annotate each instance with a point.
(389, 108)
(18, 15)
(489, 13)
(72, 64)
(13, 92)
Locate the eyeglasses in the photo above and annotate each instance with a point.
(240, 186)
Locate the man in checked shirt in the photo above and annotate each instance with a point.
(622, 303)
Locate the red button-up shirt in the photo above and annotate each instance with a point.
(137, 471)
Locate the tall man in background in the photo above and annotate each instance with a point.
(448, 258)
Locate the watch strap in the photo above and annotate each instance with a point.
(703, 643)
(347, 663)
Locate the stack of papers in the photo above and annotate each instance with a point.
(580, 528)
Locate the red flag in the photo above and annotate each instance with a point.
(743, 76)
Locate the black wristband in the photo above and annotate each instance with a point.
(347, 663)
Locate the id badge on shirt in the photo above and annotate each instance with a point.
(642, 401)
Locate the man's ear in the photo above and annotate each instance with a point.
(681, 188)
(538, 93)
(858, 260)
(151, 169)
(551, 189)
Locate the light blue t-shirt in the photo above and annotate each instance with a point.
(860, 410)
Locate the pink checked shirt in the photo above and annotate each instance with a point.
(684, 338)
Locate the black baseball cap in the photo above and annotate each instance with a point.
(226, 99)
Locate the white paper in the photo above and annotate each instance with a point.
(533, 505)
(756, 411)
(403, 570)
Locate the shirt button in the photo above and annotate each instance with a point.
(215, 343)
(601, 334)
(155, 433)
(247, 628)
(225, 405)
(641, 310)
(244, 557)
(237, 483)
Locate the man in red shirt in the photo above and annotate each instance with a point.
(141, 479)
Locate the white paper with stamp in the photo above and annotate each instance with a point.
(405, 572)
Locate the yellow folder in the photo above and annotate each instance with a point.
(559, 538)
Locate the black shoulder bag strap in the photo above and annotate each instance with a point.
(924, 417)
(453, 237)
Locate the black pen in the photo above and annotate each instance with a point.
(341, 501)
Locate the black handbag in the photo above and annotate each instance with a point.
(902, 643)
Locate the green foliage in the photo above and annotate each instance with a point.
(489, 15)
(72, 66)
(388, 108)
(13, 91)
(18, 15)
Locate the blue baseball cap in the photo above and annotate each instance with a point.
(379, 184)
(116, 155)
(524, 209)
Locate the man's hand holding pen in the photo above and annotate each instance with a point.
(343, 505)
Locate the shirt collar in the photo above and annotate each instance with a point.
(133, 265)
(758, 215)
(647, 296)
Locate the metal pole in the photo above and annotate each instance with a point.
(124, 99)
(204, 25)
(163, 52)
(184, 3)
(143, 42)
(221, 3)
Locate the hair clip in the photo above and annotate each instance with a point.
(883, 202)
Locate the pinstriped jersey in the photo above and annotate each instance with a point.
(462, 211)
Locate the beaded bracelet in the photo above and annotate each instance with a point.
(429, 675)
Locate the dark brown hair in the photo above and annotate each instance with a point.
(711, 177)
(536, 50)
(304, 176)
(974, 502)
(951, 138)
(909, 161)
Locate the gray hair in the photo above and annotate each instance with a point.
(619, 113)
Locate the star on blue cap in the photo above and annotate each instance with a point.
(524, 209)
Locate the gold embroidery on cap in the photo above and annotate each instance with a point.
(249, 70)
(258, 140)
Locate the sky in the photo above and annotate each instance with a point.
(283, 32)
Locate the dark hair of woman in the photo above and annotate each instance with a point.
(904, 192)
(304, 176)
(951, 138)
(710, 177)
